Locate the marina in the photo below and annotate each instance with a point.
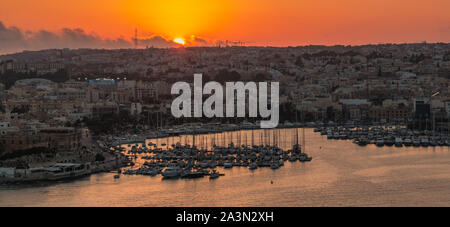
(245, 104)
(386, 136)
(200, 155)
(341, 174)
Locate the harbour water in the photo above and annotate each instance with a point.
(340, 174)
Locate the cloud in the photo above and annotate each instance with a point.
(200, 40)
(10, 38)
(161, 42)
(197, 41)
(13, 39)
(156, 41)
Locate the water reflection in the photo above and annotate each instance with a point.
(341, 174)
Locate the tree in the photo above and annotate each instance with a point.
(299, 62)
(228, 76)
(2, 149)
(21, 109)
(261, 77)
(99, 157)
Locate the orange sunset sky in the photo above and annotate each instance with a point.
(257, 22)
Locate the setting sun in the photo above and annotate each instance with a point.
(179, 41)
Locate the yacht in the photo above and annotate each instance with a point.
(228, 165)
(389, 141)
(214, 175)
(60, 171)
(362, 141)
(172, 171)
(192, 174)
(247, 125)
(343, 136)
(407, 142)
(424, 142)
(336, 135)
(416, 142)
(253, 166)
(288, 124)
(304, 158)
(204, 165)
(379, 142)
(274, 165)
(447, 142)
(433, 143)
(398, 142)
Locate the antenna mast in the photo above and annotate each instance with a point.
(135, 38)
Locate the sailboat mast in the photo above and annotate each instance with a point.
(304, 141)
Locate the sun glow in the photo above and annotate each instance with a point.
(179, 41)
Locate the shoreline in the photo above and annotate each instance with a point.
(111, 165)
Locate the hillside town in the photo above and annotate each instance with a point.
(50, 98)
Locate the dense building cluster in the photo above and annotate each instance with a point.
(49, 89)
